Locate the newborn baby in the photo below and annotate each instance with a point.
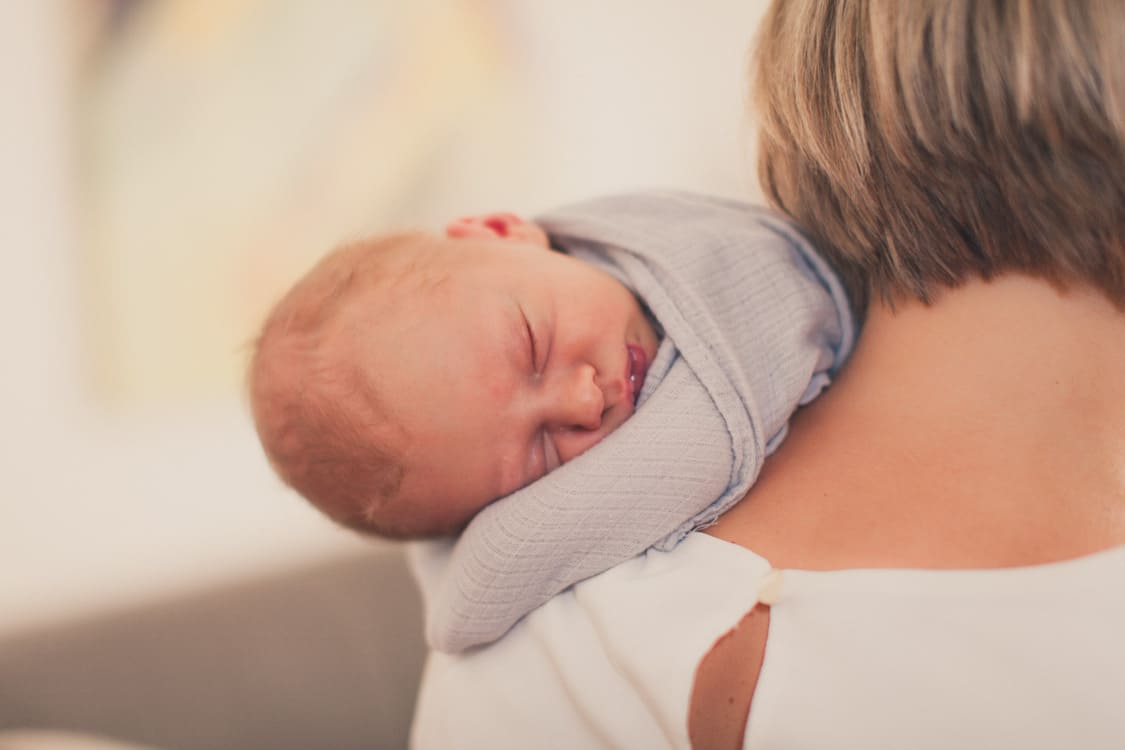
(415, 385)
(409, 380)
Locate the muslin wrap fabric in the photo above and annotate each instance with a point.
(754, 323)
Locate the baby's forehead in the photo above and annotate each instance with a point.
(423, 265)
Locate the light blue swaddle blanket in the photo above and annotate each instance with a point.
(754, 324)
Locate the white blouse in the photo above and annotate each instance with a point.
(1027, 657)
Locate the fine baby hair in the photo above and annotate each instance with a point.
(323, 427)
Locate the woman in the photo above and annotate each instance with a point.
(963, 164)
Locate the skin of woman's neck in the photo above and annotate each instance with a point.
(984, 430)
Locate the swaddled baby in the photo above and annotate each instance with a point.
(409, 381)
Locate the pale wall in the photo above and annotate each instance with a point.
(98, 510)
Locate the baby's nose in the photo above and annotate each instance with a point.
(577, 401)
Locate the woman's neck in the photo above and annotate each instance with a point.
(1005, 391)
(1013, 356)
(985, 430)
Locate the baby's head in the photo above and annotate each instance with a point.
(409, 380)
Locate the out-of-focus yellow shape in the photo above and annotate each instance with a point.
(228, 144)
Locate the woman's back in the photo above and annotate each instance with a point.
(982, 432)
(986, 431)
(856, 658)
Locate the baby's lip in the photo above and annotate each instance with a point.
(637, 368)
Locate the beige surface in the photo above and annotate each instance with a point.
(327, 656)
(102, 509)
(49, 740)
(226, 146)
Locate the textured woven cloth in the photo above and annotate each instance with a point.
(754, 324)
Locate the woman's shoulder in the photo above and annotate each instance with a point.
(840, 496)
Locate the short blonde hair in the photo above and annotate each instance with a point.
(924, 142)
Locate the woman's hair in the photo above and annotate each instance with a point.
(925, 142)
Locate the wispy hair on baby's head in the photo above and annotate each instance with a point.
(326, 430)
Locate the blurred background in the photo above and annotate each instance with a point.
(170, 166)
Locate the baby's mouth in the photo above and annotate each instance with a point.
(638, 366)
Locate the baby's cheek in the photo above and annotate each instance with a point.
(512, 464)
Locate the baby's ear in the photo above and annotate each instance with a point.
(497, 226)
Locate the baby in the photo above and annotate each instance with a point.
(413, 383)
(409, 380)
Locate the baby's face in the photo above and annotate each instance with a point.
(519, 359)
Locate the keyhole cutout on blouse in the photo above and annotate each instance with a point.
(725, 682)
